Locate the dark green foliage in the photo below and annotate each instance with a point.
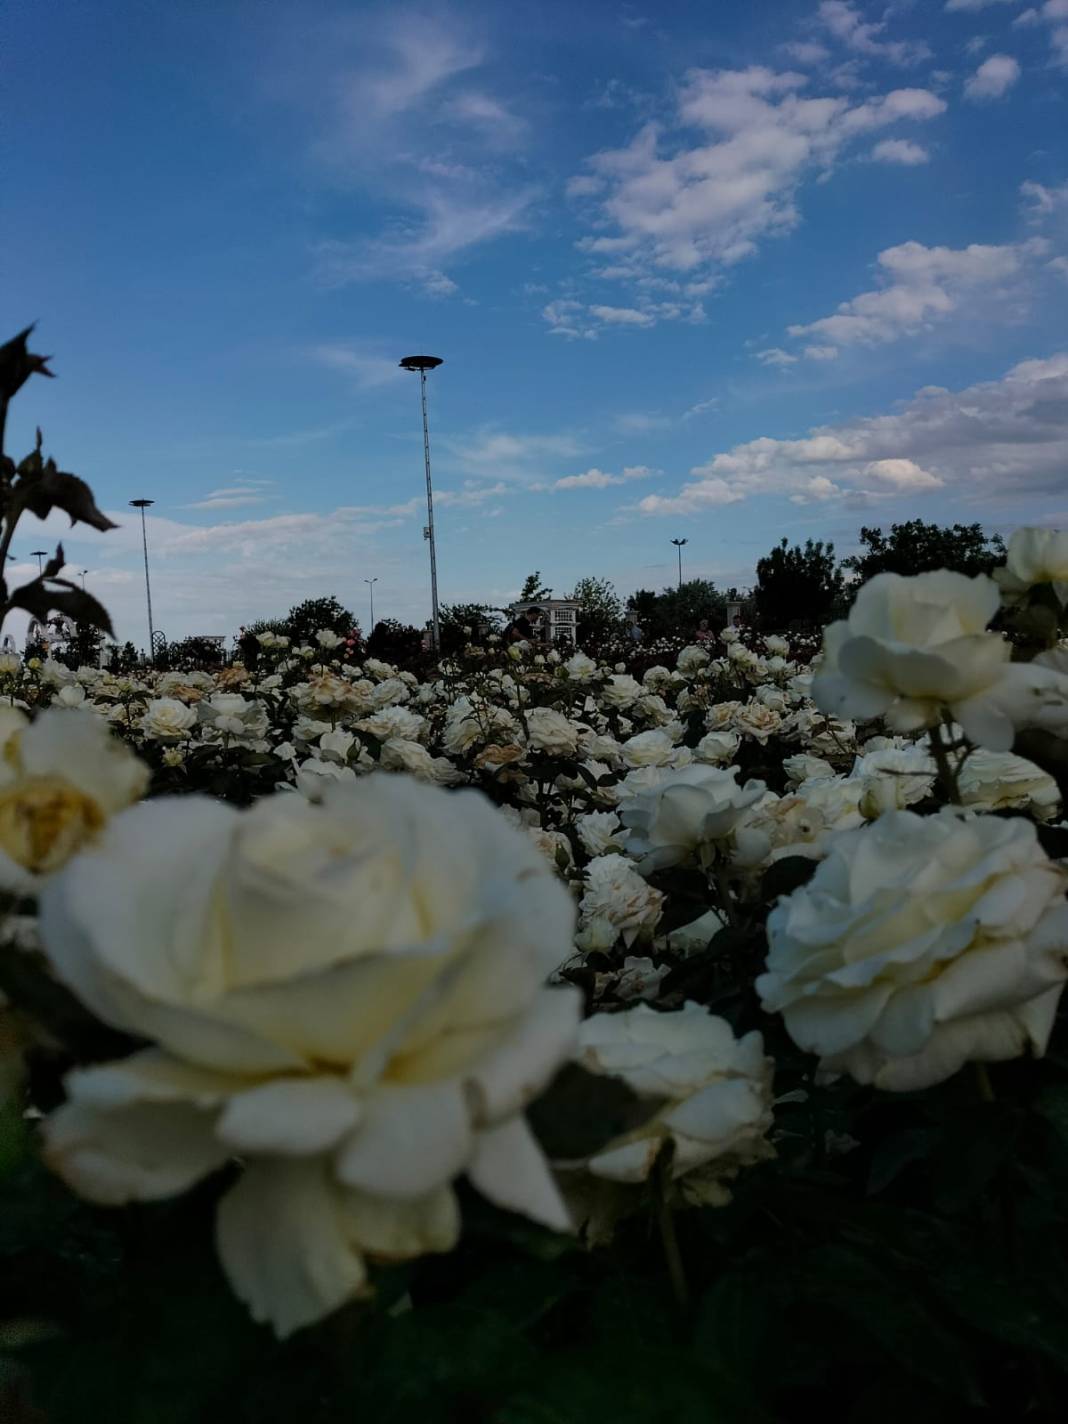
(304, 620)
(600, 613)
(679, 612)
(533, 588)
(799, 586)
(480, 618)
(916, 548)
(394, 642)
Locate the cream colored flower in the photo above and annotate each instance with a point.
(394, 722)
(61, 778)
(653, 748)
(580, 668)
(721, 715)
(620, 691)
(757, 721)
(915, 648)
(346, 998)
(999, 781)
(618, 900)
(803, 821)
(893, 778)
(166, 719)
(551, 732)
(1034, 556)
(687, 814)
(920, 943)
(717, 1090)
(692, 658)
(803, 767)
(600, 832)
(717, 748)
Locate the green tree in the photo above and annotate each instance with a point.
(918, 548)
(679, 612)
(533, 588)
(600, 612)
(454, 618)
(798, 586)
(305, 619)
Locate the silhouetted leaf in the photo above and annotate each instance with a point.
(56, 489)
(581, 1111)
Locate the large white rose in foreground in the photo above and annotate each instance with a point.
(914, 647)
(61, 777)
(716, 1090)
(348, 997)
(692, 809)
(921, 943)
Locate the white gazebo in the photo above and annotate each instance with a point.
(554, 620)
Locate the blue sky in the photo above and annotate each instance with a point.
(715, 271)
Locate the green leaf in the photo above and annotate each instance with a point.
(581, 1111)
(894, 1154)
(785, 876)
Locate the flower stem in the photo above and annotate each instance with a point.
(947, 774)
(665, 1220)
(983, 1083)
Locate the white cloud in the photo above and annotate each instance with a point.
(366, 369)
(498, 454)
(688, 207)
(994, 78)
(622, 316)
(920, 286)
(1025, 18)
(900, 150)
(1003, 441)
(847, 26)
(701, 408)
(973, 5)
(821, 353)
(775, 356)
(1042, 201)
(806, 51)
(1055, 14)
(599, 479)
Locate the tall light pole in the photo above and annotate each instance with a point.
(423, 364)
(40, 554)
(678, 545)
(371, 586)
(142, 505)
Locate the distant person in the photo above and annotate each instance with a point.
(704, 633)
(634, 631)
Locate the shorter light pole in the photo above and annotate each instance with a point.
(678, 545)
(142, 505)
(83, 574)
(40, 554)
(371, 586)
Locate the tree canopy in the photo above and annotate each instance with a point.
(534, 588)
(917, 548)
(799, 586)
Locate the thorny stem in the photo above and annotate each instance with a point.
(721, 878)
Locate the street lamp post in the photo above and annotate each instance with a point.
(371, 587)
(678, 545)
(40, 554)
(423, 364)
(83, 574)
(142, 505)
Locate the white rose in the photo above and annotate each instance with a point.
(347, 999)
(656, 678)
(913, 648)
(336, 745)
(777, 647)
(580, 668)
(620, 691)
(233, 715)
(166, 718)
(721, 715)
(691, 811)
(802, 821)
(921, 943)
(652, 708)
(729, 636)
(327, 638)
(757, 721)
(314, 777)
(691, 658)
(717, 1090)
(999, 781)
(551, 732)
(803, 767)
(893, 778)
(70, 696)
(1035, 556)
(691, 938)
(618, 896)
(394, 722)
(600, 830)
(10, 663)
(718, 748)
(653, 748)
(61, 778)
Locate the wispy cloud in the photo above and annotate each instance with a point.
(600, 479)
(993, 79)
(366, 368)
(1000, 440)
(493, 453)
(866, 37)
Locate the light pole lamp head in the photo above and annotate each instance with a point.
(679, 542)
(142, 503)
(420, 363)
